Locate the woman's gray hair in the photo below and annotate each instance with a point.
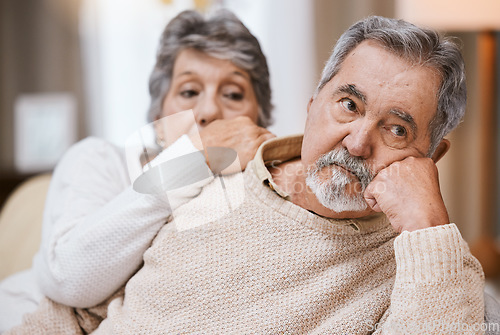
(421, 47)
(222, 36)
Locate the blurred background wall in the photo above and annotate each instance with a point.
(97, 55)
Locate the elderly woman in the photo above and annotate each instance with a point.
(216, 68)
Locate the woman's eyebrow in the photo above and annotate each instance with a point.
(242, 74)
(351, 89)
(185, 73)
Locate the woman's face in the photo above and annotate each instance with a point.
(211, 87)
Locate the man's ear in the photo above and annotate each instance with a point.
(441, 150)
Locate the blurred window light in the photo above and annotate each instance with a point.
(451, 15)
(119, 39)
(45, 127)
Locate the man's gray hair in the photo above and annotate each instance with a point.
(421, 47)
(222, 36)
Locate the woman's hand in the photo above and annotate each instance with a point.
(240, 134)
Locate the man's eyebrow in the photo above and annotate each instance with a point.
(352, 90)
(407, 118)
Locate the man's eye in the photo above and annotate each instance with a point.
(234, 96)
(399, 131)
(188, 93)
(349, 104)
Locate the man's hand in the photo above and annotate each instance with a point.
(408, 193)
(239, 134)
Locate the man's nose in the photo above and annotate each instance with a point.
(359, 139)
(207, 110)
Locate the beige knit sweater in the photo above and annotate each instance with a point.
(252, 262)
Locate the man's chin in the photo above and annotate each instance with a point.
(343, 199)
(340, 196)
(344, 207)
(344, 212)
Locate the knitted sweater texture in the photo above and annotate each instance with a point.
(93, 212)
(271, 267)
(240, 259)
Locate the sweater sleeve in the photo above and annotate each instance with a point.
(96, 227)
(438, 287)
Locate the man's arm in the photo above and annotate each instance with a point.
(439, 284)
(438, 287)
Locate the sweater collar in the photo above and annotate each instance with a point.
(274, 152)
(281, 149)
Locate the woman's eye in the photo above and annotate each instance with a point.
(188, 93)
(234, 96)
(399, 131)
(349, 105)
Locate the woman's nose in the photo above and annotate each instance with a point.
(207, 110)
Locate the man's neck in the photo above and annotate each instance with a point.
(290, 177)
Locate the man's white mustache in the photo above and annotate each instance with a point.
(356, 165)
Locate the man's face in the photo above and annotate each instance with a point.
(377, 109)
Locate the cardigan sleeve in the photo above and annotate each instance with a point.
(438, 287)
(96, 227)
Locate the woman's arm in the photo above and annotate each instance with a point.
(96, 227)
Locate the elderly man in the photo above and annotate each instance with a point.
(341, 231)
